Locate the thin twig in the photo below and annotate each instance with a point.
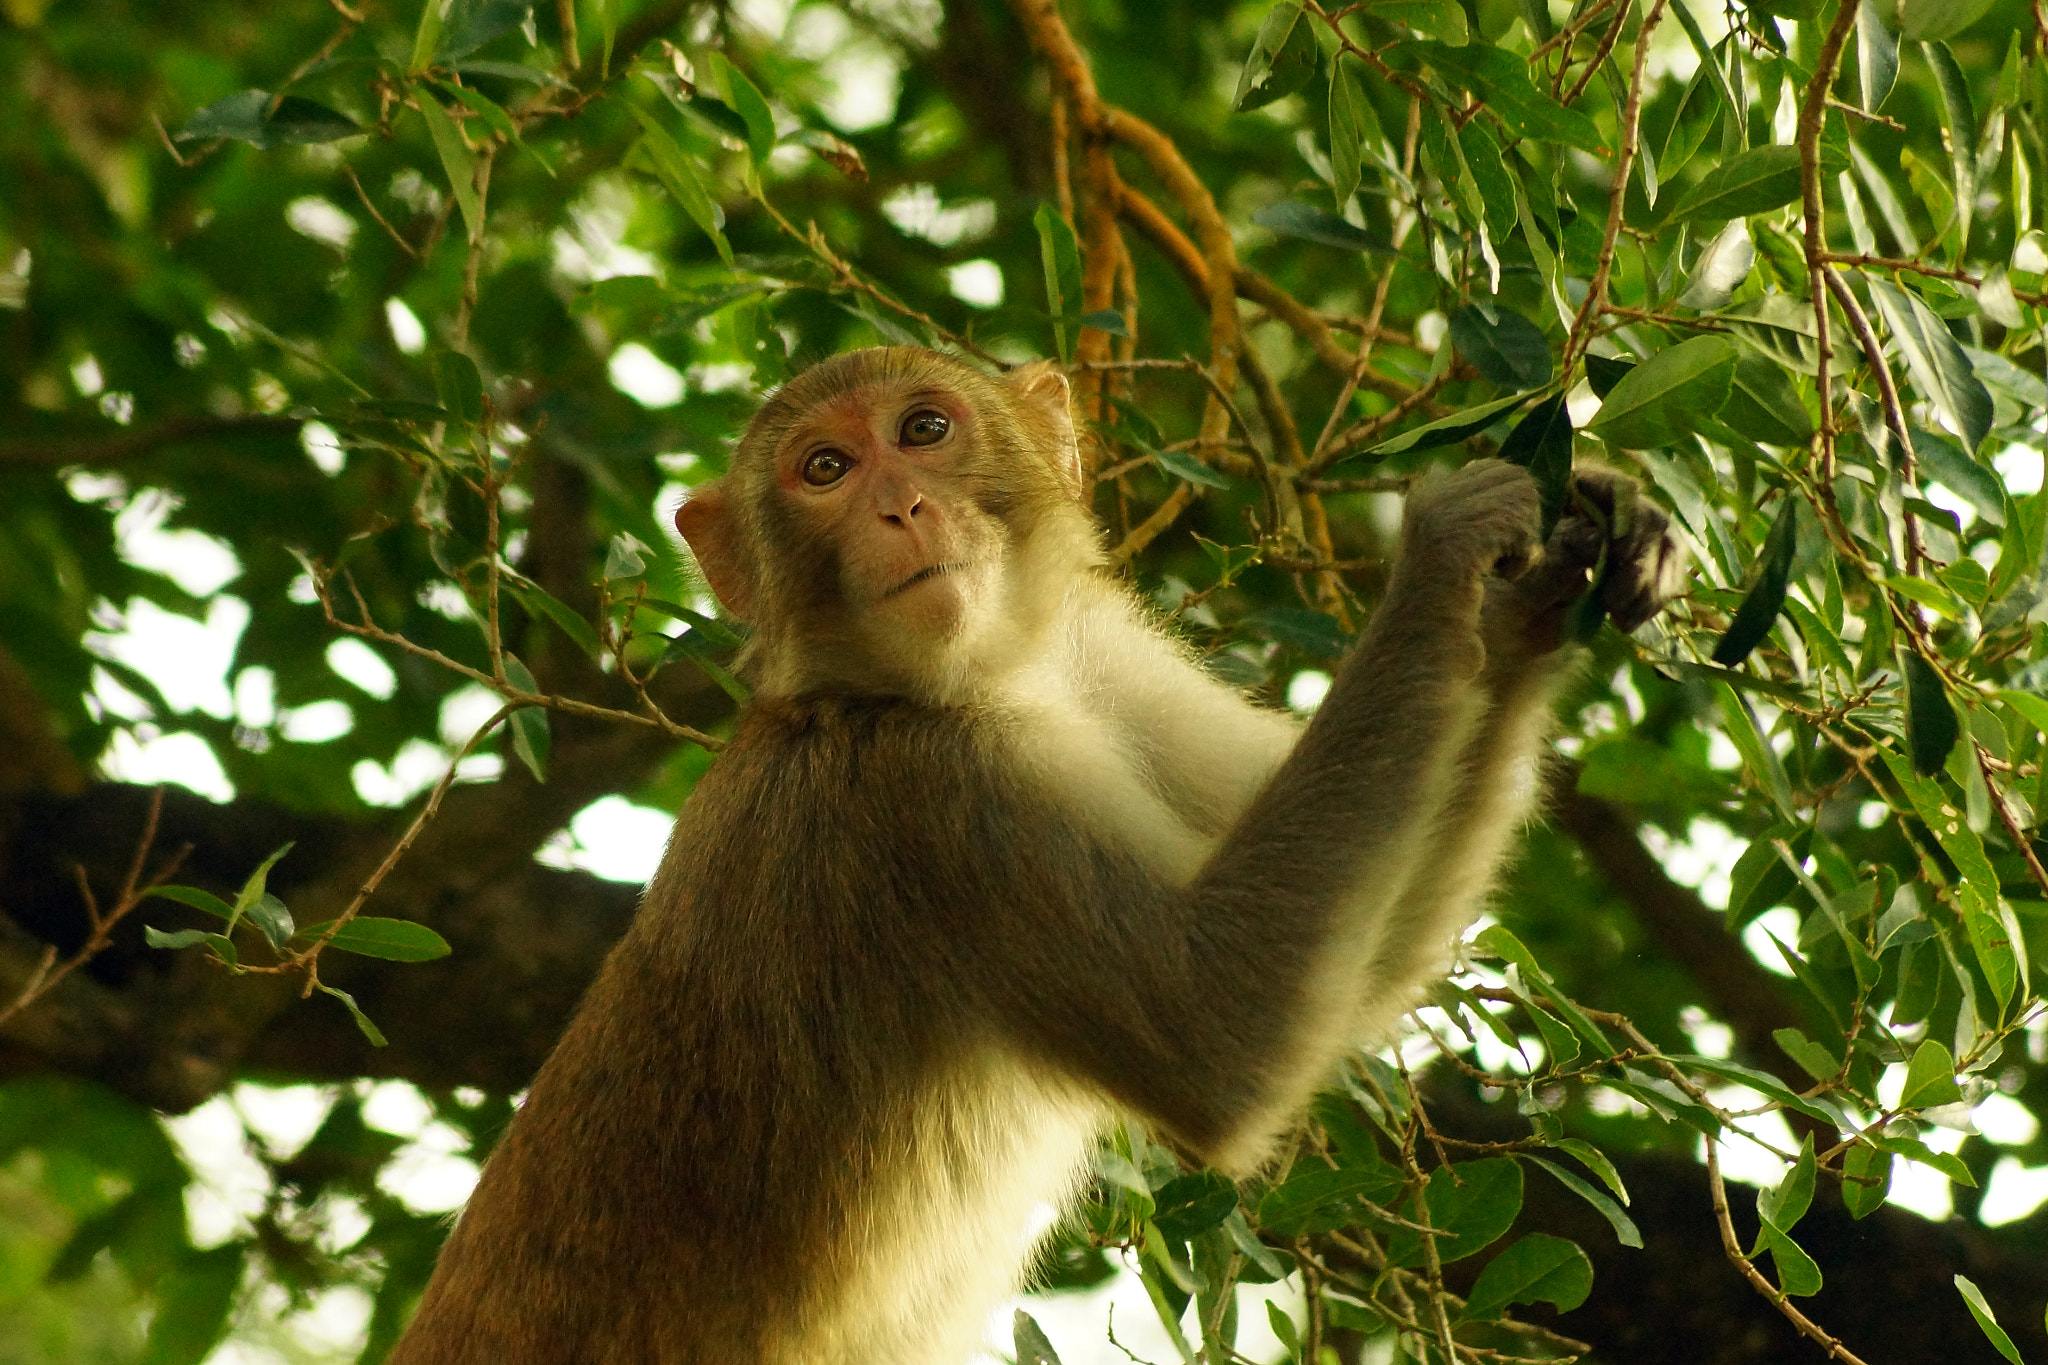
(134, 890)
(1733, 1250)
(1631, 120)
(407, 247)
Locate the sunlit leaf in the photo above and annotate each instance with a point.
(1667, 396)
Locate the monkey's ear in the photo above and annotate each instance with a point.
(707, 523)
(1042, 392)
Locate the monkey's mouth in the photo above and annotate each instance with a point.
(922, 575)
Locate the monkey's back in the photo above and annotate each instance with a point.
(778, 1119)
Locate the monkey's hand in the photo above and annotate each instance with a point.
(1479, 520)
(1646, 567)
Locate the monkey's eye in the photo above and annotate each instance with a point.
(823, 468)
(925, 427)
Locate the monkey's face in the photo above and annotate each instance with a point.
(884, 488)
(896, 518)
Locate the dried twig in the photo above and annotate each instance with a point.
(135, 889)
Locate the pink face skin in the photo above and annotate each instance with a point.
(880, 473)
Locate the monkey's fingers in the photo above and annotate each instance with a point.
(1647, 570)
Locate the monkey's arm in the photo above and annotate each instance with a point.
(1217, 1008)
(1499, 774)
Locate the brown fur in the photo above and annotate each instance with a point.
(918, 933)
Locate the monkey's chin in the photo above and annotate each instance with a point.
(931, 610)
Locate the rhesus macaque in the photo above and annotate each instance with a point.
(990, 860)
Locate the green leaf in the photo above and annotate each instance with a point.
(1189, 1205)
(1931, 726)
(1995, 296)
(1283, 59)
(223, 946)
(1106, 320)
(1866, 1177)
(271, 919)
(1957, 839)
(1182, 465)
(1490, 175)
(1877, 56)
(1961, 120)
(1926, 19)
(1255, 1251)
(540, 603)
(531, 734)
(1994, 937)
(1697, 109)
(457, 162)
(1766, 598)
(197, 899)
(484, 107)
(476, 23)
(1351, 121)
(1739, 723)
(1445, 431)
(1942, 460)
(1500, 942)
(1721, 268)
(192, 1304)
(1813, 1059)
(370, 1030)
(1560, 1042)
(1930, 1078)
(394, 940)
(1538, 1267)
(1748, 183)
(678, 174)
(459, 386)
(1313, 1201)
(1625, 1230)
(1604, 372)
(1784, 1206)
(426, 38)
(1292, 218)
(717, 632)
(1312, 632)
(1948, 1163)
(746, 99)
(1029, 1341)
(1761, 1081)
(1502, 345)
(1283, 1329)
(1939, 368)
(1797, 1274)
(1930, 595)
(1060, 257)
(1665, 398)
(1542, 443)
(1440, 19)
(2032, 709)
(625, 557)
(1764, 405)
(247, 117)
(1501, 79)
(1596, 1161)
(1987, 1320)
(1474, 1207)
(692, 646)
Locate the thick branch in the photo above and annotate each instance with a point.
(114, 447)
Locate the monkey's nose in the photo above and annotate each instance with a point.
(902, 518)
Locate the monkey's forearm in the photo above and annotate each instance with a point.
(1492, 791)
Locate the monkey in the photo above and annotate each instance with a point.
(989, 861)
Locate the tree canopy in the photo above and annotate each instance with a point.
(356, 355)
